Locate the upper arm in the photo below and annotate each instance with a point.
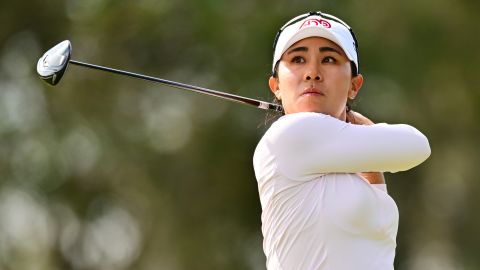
(311, 143)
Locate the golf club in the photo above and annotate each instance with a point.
(52, 65)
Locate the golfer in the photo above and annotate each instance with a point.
(319, 167)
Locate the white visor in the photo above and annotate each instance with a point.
(316, 26)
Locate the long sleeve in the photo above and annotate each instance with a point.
(307, 144)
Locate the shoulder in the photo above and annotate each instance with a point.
(302, 119)
(303, 125)
(294, 133)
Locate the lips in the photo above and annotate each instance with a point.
(312, 91)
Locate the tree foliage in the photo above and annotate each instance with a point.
(107, 172)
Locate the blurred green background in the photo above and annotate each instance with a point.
(107, 172)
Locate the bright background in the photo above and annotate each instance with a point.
(107, 172)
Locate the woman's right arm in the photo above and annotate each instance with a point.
(312, 143)
(358, 119)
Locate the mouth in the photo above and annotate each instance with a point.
(312, 91)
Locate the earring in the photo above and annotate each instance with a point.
(278, 95)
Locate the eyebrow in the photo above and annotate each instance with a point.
(321, 49)
(329, 49)
(298, 49)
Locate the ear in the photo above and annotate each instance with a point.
(273, 83)
(357, 83)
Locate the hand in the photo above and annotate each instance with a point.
(358, 119)
(374, 177)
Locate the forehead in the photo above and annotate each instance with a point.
(316, 42)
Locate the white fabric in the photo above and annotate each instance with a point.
(318, 213)
(382, 187)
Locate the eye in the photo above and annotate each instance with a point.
(329, 59)
(298, 59)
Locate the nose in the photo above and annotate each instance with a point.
(312, 73)
(308, 78)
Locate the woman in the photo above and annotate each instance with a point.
(319, 167)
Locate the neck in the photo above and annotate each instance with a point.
(343, 116)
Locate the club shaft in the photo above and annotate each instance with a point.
(243, 100)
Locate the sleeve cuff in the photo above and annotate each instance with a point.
(382, 187)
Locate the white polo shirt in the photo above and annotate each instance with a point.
(318, 213)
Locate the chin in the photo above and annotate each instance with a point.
(317, 110)
(312, 108)
(311, 105)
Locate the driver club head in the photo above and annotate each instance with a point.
(54, 62)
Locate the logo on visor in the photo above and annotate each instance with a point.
(315, 22)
